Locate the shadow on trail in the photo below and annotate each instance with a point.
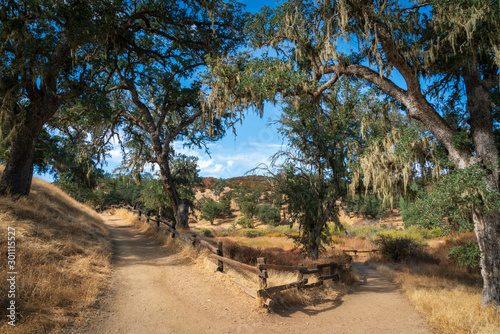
(325, 306)
(371, 282)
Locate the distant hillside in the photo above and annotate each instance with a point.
(62, 256)
(250, 181)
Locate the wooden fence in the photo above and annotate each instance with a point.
(355, 251)
(323, 272)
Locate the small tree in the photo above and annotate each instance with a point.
(218, 187)
(210, 209)
(248, 208)
(268, 213)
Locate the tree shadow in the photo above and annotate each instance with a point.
(309, 310)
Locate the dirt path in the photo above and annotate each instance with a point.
(154, 290)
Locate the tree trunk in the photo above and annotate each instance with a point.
(18, 173)
(314, 251)
(180, 206)
(487, 227)
(182, 216)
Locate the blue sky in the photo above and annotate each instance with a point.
(255, 142)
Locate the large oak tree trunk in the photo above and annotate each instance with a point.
(487, 227)
(486, 224)
(180, 206)
(18, 173)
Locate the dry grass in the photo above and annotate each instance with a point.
(448, 297)
(62, 259)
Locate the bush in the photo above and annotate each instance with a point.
(211, 210)
(399, 248)
(252, 234)
(206, 233)
(233, 226)
(245, 222)
(268, 214)
(248, 208)
(466, 255)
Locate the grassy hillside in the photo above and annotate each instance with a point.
(62, 256)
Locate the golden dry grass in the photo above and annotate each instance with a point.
(449, 298)
(63, 255)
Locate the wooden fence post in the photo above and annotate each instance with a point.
(220, 252)
(263, 280)
(333, 267)
(301, 275)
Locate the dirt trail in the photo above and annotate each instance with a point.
(154, 290)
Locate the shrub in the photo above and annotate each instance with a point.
(466, 255)
(285, 229)
(206, 233)
(211, 210)
(252, 234)
(248, 208)
(245, 222)
(399, 248)
(233, 225)
(268, 214)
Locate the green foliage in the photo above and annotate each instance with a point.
(185, 174)
(248, 207)
(365, 205)
(218, 186)
(153, 197)
(467, 255)
(399, 248)
(206, 233)
(245, 222)
(210, 209)
(337, 229)
(450, 200)
(268, 214)
(233, 226)
(252, 233)
(322, 134)
(226, 200)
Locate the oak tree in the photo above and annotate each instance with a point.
(421, 54)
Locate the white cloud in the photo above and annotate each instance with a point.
(204, 163)
(218, 168)
(115, 155)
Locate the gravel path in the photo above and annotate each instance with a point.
(154, 290)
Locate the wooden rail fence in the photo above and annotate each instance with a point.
(260, 269)
(355, 251)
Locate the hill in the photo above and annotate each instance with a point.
(60, 255)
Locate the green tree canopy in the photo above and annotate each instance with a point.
(51, 52)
